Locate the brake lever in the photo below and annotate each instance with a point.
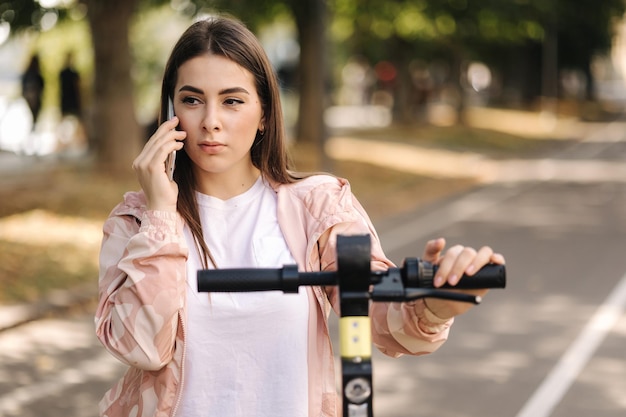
(389, 286)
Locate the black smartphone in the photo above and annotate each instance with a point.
(170, 162)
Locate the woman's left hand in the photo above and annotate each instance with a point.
(457, 261)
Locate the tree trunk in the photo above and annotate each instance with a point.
(310, 18)
(590, 87)
(550, 69)
(403, 109)
(114, 130)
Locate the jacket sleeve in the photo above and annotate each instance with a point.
(141, 287)
(397, 328)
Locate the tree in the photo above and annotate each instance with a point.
(115, 132)
(579, 36)
(311, 22)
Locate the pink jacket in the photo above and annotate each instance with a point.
(141, 313)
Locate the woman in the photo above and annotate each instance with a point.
(234, 202)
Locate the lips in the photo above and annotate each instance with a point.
(212, 147)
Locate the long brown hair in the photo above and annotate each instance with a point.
(230, 38)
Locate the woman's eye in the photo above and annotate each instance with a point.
(232, 101)
(190, 100)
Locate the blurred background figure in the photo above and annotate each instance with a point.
(69, 80)
(71, 133)
(32, 87)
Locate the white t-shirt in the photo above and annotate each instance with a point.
(246, 353)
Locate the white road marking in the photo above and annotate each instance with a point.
(556, 384)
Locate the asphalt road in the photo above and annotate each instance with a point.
(551, 344)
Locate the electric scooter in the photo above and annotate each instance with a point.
(358, 285)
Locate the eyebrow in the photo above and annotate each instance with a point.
(230, 90)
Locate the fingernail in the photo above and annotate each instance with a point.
(438, 281)
(453, 279)
(470, 269)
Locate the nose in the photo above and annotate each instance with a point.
(211, 121)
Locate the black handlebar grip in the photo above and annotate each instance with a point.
(489, 276)
(415, 274)
(248, 279)
(420, 274)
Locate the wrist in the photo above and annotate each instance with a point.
(168, 208)
(432, 308)
(161, 224)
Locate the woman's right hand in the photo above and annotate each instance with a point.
(161, 193)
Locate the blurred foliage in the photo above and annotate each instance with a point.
(435, 27)
(394, 30)
(427, 27)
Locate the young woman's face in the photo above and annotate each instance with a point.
(219, 108)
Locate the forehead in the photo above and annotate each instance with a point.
(214, 70)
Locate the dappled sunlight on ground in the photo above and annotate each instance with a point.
(41, 227)
(406, 158)
(62, 355)
(488, 371)
(606, 377)
(531, 125)
(473, 154)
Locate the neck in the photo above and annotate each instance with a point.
(226, 185)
